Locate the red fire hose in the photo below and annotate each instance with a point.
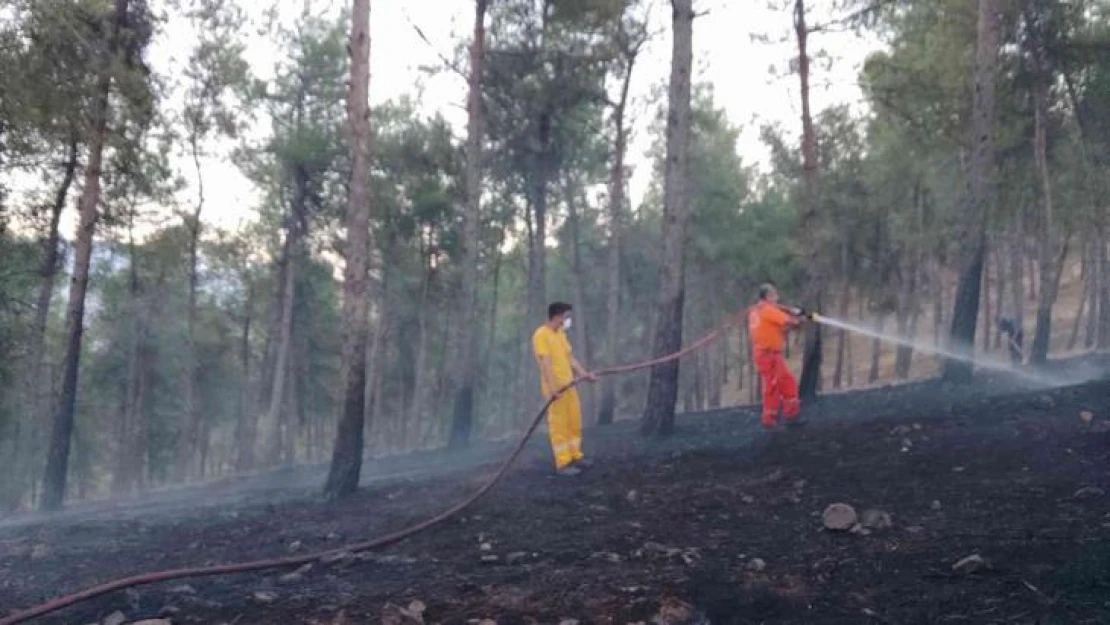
(274, 563)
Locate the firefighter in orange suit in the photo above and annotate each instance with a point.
(768, 323)
(558, 367)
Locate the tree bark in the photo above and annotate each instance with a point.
(189, 451)
(270, 428)
(616, 228)
(346, 463)
(980, 193)
(876, 352)
(465, 374)
(986, 303)
(57, 462)
(841, 339)
(28, 439)
(1085, 279)
(581, 319)
(1104, 293)
(663, 386)
(244, 438)
(810, 381)
(1052, 245)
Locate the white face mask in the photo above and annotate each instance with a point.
(567, 323)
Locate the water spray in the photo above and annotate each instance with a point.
(928, 348)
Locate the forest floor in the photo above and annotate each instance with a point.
(720, 523)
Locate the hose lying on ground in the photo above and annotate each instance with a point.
(288, 562)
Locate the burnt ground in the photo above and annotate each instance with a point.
(718, 524)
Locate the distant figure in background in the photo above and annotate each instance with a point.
(768, 323)
(1015, 337)
(558, 367)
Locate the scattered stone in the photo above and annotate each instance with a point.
(970, 564)
(568, 621)
(633, 496)
(332, 536)
(917, 426)
(915, 529)
(876, 520)
(485, 547)
(959, 469)
(799, 484)
(295, 576)
(115, 618)
(673, 612)
(748, 499)
(183, 589)
(935, 505)
(154, 621)
(756, 565)
(1089, 492)
(295, 546)
(516, 557)
(490, 559)
(40, 551)
(396, 615)
(264, 596)
(1086, 416)
(168, 610)
(1046, 402)
(608, 556)
(860, 530)
(839, 517)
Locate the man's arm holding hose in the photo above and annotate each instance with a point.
(581, 371)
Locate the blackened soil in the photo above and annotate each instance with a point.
(719, 524)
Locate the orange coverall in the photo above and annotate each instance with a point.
(767, 324)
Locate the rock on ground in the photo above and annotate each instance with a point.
(839, 517)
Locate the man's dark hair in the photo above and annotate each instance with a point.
(765, 289)
(557, 308)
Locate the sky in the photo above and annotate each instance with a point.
(750, 77)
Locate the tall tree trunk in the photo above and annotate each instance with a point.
(1052, 244)
(988, 320)
(876, 352)
(129, 470)
(810, 381)
(842, 338)
(1017, 271)
(190, 449)
(1097, 277)
(244, 438)
(1000, 256)
(663, 386)
(581, 319)
(346, 462)
(907, 323)
(616, 228)
(27, 439)
(1103, 292)
(464, 370)
(1085, 280)
(981, 192)
(419, 391)
(57, 461)
(270, 428)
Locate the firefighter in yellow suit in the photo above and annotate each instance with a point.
(558, 367)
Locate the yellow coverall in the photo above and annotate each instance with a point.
(564, 416)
